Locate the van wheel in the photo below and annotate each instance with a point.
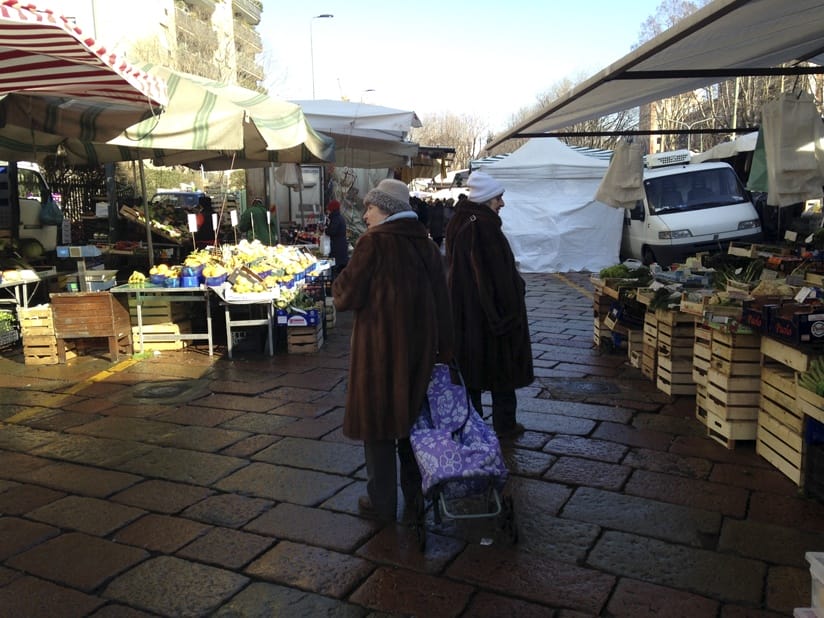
(648, 256)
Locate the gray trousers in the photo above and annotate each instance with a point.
(382, 473)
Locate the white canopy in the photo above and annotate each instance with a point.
(366, 136)
(725, 150)
(724, 39)
(551, 218)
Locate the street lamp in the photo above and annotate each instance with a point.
(312, 47)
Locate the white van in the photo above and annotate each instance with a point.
(23, 191)
(687, 209)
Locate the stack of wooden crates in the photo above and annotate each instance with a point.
(39, 340)
(727, 373)
(160, 317)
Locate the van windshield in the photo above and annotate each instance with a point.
(694, 190)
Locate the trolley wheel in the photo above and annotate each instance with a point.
(508, 523)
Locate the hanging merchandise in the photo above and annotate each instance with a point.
(622, 185)
(793, 134)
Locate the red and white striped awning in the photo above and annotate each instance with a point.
(44, 54)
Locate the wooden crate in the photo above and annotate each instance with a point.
(782, 446)
(36, 321)
(701, 403)
(676, 339)
(674, 376)
(785, 354)
(732, 399)
(701, 354)
(810, 404)
(91, 315)
(39, 340)
(779, 396)
(168, 331)
(154, 311)
(671, 318)
(728, 432)
(744, 348)
(304, 339)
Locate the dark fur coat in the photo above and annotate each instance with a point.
(487, 292)
(396, 285)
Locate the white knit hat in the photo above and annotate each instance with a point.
(391, 196)
(483, 187)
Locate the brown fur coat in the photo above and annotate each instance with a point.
(396, 285)
(487, 292)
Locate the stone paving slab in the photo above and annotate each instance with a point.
(343, 459)
(171, 586)
(90, 515)
(533, 577)
(78, 560)
(174, 464)
(100, 452)
(285, 484)
(722, 576)
(670, 522)
(30, 596)
(161, 496)
(160, 533)
(338, 531)
(17, 535)
(230, 510)
(398, 591)
(226, 548)
(263, 600)
(83, 480)
(296, 564)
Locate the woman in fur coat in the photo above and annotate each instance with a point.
(487, 293)
(396, 285)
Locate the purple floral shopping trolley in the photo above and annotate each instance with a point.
(462, 467)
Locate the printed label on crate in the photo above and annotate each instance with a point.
(303, 317)
(282, 316)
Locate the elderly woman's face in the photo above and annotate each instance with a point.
(373, 215)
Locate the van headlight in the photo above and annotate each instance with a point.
(674, 235)
(749, 225)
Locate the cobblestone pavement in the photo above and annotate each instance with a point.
(189, 485)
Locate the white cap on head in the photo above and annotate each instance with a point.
(483, 187)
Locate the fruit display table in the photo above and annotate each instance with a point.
(173, 295)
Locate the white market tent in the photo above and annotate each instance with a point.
(725, 150)
(366, 136)
(551, 218)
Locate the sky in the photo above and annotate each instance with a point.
(486, 59)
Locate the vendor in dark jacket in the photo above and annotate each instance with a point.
(396, 285)
(487, 292)
(336, 231)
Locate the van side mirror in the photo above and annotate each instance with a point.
(637, 213)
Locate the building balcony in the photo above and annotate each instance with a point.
(247, 39)
(207, 5)
(248, 10)
(247, 65)
(192, 27)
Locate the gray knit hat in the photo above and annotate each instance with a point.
(391, 196)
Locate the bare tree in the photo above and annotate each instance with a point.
(466, 134)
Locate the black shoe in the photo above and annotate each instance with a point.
(513, 432)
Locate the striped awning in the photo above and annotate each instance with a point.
(57, 80)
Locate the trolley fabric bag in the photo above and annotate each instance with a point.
(454, 447)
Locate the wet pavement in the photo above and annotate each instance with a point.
(190, 485)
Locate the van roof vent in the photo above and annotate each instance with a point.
(662, 159)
